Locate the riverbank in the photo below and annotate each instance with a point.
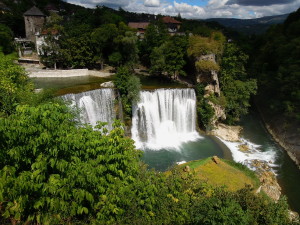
(67, 73)
(247, 153)
(285, 133)
(37, 71)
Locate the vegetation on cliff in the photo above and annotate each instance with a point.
(129, 87)
(235, 82)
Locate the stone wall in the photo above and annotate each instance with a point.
(68, 73)
(33, 24)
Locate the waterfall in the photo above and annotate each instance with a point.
(96, 105)
(164, 118)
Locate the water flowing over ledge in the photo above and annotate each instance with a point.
(96, 105)
(164, 118)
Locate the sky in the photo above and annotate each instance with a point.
(200, 9)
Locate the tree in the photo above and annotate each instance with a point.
(53, 170)
(77, 52)
(155, 35)
(14, 85)
(50, 50)
(276, 67)
(129, 87)
(235, 84)
(118, 45)
(6, 39)
(102, 39)
(169, 58)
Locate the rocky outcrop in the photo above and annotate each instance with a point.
(208, 57)
(219, 113)
(210, 78)
(227, 133)
(108, 84)
(215, 159)
(294, 217)
(269, 184)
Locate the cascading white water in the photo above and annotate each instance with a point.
(96, 105)
(164, 118)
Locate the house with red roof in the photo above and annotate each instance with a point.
(140, 27)
(172, 24)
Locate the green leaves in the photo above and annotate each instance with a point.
(14, 85)
(235, 83)
(50, 165)
(129, 87)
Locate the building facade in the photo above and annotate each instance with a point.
(34, 22)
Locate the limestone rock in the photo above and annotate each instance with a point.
(108, 84)
(294, 217)
(208, 57)
(267, 178)
(244, 148)
(227, 133)
(270, 185)
(215, 159)
(187, 169)
(219, 113)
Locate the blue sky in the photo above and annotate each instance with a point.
(201, 9)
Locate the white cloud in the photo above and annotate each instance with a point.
(214, 8)
(93, 3)
(152, 3)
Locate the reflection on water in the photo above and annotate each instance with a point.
(66, 85)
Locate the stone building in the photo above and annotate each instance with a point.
(34, 21)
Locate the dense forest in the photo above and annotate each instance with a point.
(276, 67)
(55, 170)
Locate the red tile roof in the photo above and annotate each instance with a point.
(141, 25)
(168, 19)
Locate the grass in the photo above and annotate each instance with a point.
(232, 175)
(194, 164)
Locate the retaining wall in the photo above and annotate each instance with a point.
(68, 73)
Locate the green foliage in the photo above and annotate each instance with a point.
(207, 66)
(118, 45)
(276, 66)
(205, 111)
(169, 58)
(155, 36)
(6, 39)
(203, 45)
(129, 87)
(76, 52)
(235, 84)
(14, 85)
(52, 170)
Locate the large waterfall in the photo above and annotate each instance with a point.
(96, 105)
(164, 118)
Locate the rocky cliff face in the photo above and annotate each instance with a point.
(209, 77)
(212, 88)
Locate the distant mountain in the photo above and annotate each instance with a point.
(250, 26)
